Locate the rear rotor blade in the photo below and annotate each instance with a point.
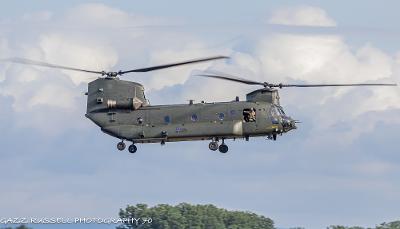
(44, 64)
(172, 65)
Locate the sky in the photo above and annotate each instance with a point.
(339, 167)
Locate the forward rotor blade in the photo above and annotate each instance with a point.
(173, 64)
(331, 85)
(224, 76)
(44, 64)
(231, 78)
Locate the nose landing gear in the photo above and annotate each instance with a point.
(223, 148)
(132, 148)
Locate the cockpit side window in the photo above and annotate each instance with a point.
(249, 114)
(275, 113)
(281, 111)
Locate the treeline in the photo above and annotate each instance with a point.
(18, 227)
(186, 216)
(392, 225)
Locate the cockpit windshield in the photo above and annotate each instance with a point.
(275, 114)
(274, 111)
(281, 111)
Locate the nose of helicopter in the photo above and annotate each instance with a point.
(288, 123)
(293, 124)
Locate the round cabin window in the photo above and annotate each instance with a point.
(194, 117)
(221, 116)
(167, 119)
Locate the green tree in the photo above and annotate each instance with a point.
(392, 225)
(186, 216)
(344, 227)
(19, 227)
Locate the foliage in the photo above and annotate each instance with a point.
(19, 227)
(392, 225)
(186, 216)
(344, 227)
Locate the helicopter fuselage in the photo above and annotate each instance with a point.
(201, 121)
(112, 106)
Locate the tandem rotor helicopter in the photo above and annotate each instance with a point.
(120, 109)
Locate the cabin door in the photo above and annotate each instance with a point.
(249, 117)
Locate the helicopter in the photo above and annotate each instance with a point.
(120, 109)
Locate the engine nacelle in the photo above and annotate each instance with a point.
(128, 104)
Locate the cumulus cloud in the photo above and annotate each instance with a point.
(302, 16)
(323, 59)
(4, 52)
(99, 47)
(77, 52)
(337, 122)
(328, 59)
(39, 95)
(374, 168)
(100, 15)
(302, 58)
(35, 91)
(279, 57)
(179, 75)
(214, 90)
(40, 16)
(97, 15)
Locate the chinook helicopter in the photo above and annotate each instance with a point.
(120, 109)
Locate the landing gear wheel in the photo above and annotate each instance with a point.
(213, 146)
(223, 148)
(121, 146)
(132, 148)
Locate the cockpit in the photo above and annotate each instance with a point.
(278, 116)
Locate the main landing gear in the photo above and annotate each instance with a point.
(223, 148)
(213, 145)
(121, 146)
